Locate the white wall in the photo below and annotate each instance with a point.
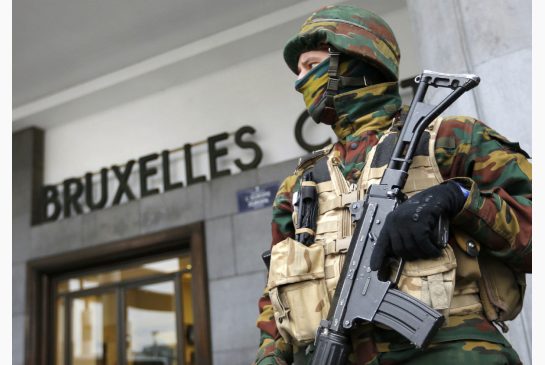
(258, 92)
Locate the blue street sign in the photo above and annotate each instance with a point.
(258, 197)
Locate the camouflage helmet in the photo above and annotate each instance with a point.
(354, 31)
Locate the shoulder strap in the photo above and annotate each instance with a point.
(320, 170)
(308, 160)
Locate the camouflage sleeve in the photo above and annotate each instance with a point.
(498, 211)
(272, 348)
(273, 351)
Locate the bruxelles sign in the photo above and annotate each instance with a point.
(76, 195)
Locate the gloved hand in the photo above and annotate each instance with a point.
(408, 231)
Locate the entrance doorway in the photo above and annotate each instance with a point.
(141, 313)
(142, 301)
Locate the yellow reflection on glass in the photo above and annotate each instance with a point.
(187, 308)
(59, 326)
(94, 323)
(150, 314)
(184, 263)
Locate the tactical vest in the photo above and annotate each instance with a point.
(302, 279)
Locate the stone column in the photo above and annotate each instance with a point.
(490, 38)
(27, 178)
(493, 39)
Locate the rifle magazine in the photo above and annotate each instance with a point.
(409, 317)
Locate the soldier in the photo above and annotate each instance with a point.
(463, 169)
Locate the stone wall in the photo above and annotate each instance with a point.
(493, 39)
(234, 242)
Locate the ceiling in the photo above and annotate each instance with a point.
(61, 45)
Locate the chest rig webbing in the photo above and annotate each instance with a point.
(432, 281)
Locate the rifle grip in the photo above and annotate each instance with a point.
(331, 348)
(441, 232)
(266, 256)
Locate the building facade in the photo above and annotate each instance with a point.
(141, 199)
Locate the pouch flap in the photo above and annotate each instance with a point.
(427, 267)
(291, 262)
(504, 288)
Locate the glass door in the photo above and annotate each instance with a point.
(150, 317)
(137, 314)
(93, 329)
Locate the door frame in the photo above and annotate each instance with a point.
(40, 308)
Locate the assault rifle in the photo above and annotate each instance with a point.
(361, 295)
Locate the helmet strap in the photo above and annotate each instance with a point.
(333, 72)
(325, 110)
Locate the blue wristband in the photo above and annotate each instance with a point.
(464, 190)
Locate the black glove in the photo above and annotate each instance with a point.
(409, 230)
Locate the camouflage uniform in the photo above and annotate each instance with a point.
(497, 213)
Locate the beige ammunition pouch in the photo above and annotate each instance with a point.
(302, 280)
(500, 289)
(432, 281)
(297, 289)
(466, 299)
